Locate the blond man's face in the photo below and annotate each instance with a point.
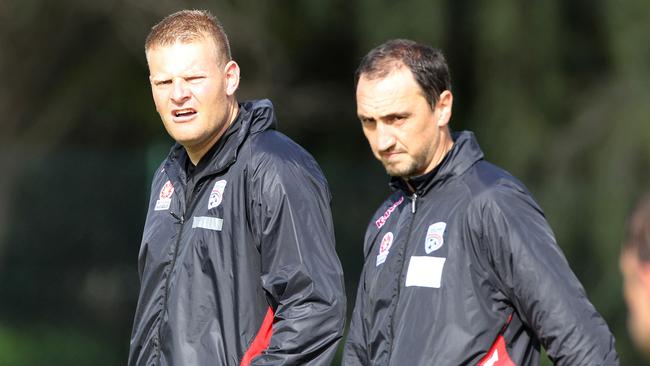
(191, 89)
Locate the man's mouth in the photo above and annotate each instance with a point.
(390, 154)
(184, 113)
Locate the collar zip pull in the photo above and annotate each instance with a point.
(414, 198)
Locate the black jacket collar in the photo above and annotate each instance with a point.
(463, 154)
(253, 116)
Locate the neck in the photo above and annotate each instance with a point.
(195, 153)
(445, 143)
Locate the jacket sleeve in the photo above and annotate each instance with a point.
(301, 273)
(355, 351)
(536, 277)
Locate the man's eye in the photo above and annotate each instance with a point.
(162, 82)
(195, 79)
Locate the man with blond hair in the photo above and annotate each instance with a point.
(635, 266)
(237, 261)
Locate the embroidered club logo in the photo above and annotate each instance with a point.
(217, 194)
(165, 197)
(384, 248)
(166, 191)
(435, 237)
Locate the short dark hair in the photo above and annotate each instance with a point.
(427, 64)
(189, 26)
(638, 230)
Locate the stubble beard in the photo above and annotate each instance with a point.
(414, 166)
(406, 170)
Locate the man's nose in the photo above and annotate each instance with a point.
(385, 137)
(180, 91)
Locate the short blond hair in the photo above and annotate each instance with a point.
(187, 26)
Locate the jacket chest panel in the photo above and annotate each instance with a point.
(199, 231)
(212, 235)
(429, 275)
(421, 254)
(162, 225)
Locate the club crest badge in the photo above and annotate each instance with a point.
(217, 194)
(435, 237)
(165, 197)
(384, 248)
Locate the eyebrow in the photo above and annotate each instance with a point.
(391, 115)
(194, 75)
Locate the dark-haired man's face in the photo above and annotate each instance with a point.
(405, 133)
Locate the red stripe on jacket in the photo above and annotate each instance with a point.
(498, 354)
(261, 341)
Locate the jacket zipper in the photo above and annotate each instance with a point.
(189, 207)
(414, 198)
(181, 220)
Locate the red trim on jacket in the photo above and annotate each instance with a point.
(261, 341)
(498, 354)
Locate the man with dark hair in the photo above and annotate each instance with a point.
(461, 267)
(237, 262)
(635, 266)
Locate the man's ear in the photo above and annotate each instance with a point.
(644, 275)
(231, 71)
(443, 107)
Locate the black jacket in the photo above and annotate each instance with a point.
(466, 271)
(237, 262)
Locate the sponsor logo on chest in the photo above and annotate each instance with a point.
(382, 220)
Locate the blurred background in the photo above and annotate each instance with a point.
(556, 91)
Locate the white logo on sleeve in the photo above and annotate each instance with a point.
(435, 237)
(384, 248)
(165, 197)
(217, 194)
(493, 359)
